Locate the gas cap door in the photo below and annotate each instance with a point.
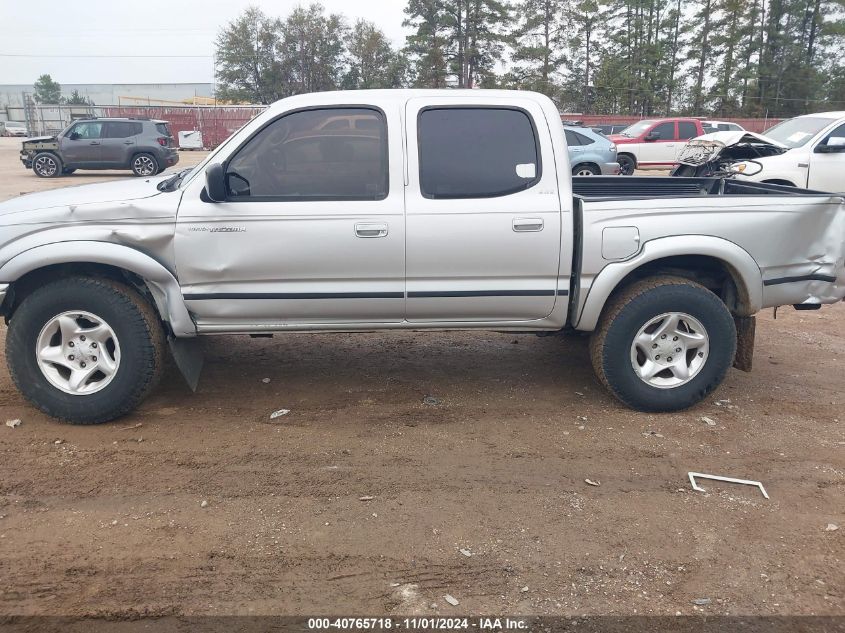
(619, 242)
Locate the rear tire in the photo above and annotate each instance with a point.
(627, 164)
(85, 350)
(47, 165)
(663, 344)
(586, 170)
(144, 165)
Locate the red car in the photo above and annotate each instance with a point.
(654, 143)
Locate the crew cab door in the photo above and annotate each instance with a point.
(828, 167)
(312, 229)
(661, 151)
(482, 208)
(81, 145)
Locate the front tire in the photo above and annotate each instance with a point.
(663, 344)
(85, 350)
(144, 165)
(627, 164)
(47, 165)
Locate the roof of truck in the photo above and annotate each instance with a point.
(355, 97)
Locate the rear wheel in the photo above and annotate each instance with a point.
(663, 344)
(47, 165)
(85, 350)
(144, 165)
(586, 170)
(627, 165)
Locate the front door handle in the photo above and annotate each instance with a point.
(371, 230)
(93, 143)
(128, 142)
(525, 225)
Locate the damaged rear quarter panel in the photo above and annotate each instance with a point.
(787, 236)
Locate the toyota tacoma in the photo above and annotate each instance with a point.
(403, 209)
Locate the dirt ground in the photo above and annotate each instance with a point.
(365, 499)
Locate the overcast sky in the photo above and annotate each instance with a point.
(44, 37)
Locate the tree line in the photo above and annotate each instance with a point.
(729, 58)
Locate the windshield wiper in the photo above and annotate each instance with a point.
(173, 182)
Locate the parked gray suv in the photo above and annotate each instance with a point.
(143, 145)
(590, 153)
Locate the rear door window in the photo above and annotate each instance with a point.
(687, 130)
(122, 129)
(470, 152)
(583, 140)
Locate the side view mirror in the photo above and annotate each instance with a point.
(74, 136)
(834, 144)
(215, 182)
(652, 136)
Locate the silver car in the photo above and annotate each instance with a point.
(591, 154)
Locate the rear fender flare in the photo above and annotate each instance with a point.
(742, 266)
(162, 284)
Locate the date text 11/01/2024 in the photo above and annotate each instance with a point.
(419, 624)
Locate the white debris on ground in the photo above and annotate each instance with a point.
(279, 413)
(12, 424)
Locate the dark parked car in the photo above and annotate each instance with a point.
(143, 145)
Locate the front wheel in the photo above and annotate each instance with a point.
(47, 165)
(144, 165)
(626, 164)
(85, 350)
(663, 344)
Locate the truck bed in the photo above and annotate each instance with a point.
(616, 187)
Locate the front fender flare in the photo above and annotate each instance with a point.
(740, 263)
(161, 282)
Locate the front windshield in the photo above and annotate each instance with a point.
(797, 132)
(637, 128)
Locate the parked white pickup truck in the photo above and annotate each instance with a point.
(435, 210)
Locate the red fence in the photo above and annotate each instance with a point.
(752, 125)
(216, 123)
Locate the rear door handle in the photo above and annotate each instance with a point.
(128, 142)
(525, 225)
(371, 230)
(93, 143)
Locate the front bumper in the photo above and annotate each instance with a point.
(610, 169)
(26, 159)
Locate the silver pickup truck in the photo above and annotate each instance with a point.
(370, 210)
